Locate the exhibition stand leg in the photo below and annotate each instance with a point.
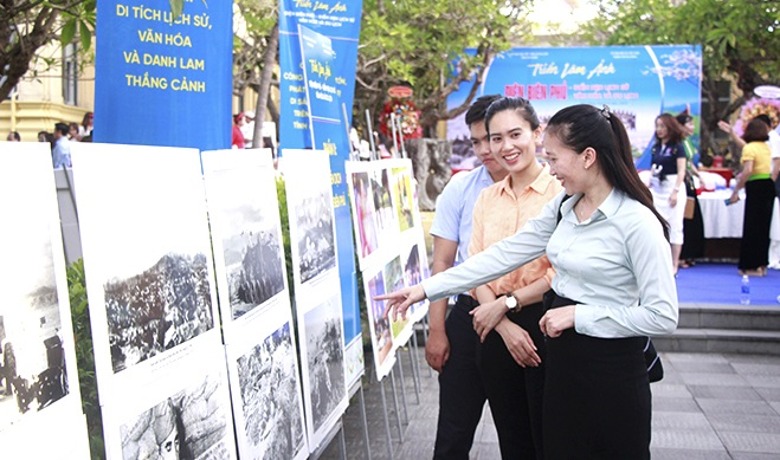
(387, 421)
(397, 410)
(403, 388)
(343, 441)
(415, 367)
(365, 421)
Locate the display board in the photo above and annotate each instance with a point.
(246, 232)
(317, 58)
(267, 399)
(638, 83)
(39, 387)
(255, 303)
(181, 412)
(391, 248)
(147, 258)
(317, 289)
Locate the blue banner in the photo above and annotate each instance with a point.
(316, 119)
(637, 82)
(163, 80)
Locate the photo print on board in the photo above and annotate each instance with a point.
(270, 397)
(365, 213)
(37, 359)
(244, 215)
(394, 280)
(33, 371)
(403, 198)
(381, 337)
(383, 204)
(147, 253)
(190, 424)
(159, 308)
(314, 220)
(325, 360)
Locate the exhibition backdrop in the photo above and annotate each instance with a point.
(163, 80)
(317, 89)
(638, 83)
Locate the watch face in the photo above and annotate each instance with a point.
(510, 302)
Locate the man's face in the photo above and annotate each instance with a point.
(481, 145)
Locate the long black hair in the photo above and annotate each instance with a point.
(581, 126)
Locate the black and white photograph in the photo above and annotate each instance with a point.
(270, 399)
(158, 309)
(189, 424)
(310, 210)
(324, 360)
(147, 257)
(37, 364)
(244, 216)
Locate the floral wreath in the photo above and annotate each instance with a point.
(755, 107)
(408, 113)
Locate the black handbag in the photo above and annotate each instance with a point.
(655, 369)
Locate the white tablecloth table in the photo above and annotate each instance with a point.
(721, 221)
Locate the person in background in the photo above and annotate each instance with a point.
(610, 252)
(13, 136)
(759, 199)
(86, 126)
(248, 130)
(774, 147)
(73, 132)
(60, 153)
(238, 141)
(452, 344)
(45, 136)
(669, 163)
(511, 354)
(693, 229)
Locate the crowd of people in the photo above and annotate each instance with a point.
(61, 137)
(517, 240)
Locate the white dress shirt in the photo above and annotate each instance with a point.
(616, 264)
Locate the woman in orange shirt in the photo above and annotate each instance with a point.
(510, 357)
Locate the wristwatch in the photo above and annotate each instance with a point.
(511, 302)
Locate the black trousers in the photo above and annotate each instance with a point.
(461, 394)
(597, 402)
(754, 247)
(515, 394)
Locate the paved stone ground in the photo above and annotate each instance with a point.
(709, 406)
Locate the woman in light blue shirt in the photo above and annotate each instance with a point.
(611, 253)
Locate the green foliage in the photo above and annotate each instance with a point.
(79, 18)
(281, 194)
(417, 42)
(85, 357)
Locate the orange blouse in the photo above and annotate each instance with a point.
(498, 213)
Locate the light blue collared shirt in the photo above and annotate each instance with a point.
(616, 264)
(454, 208)
(60, 154)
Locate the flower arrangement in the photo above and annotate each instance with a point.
(405, 110)
(755, 107)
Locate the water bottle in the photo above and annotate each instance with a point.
(744, 296)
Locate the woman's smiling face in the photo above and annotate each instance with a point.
(512, 140)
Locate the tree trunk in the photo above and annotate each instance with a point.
(269, 58)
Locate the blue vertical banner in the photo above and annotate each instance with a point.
(164, 80)
(329, 34)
